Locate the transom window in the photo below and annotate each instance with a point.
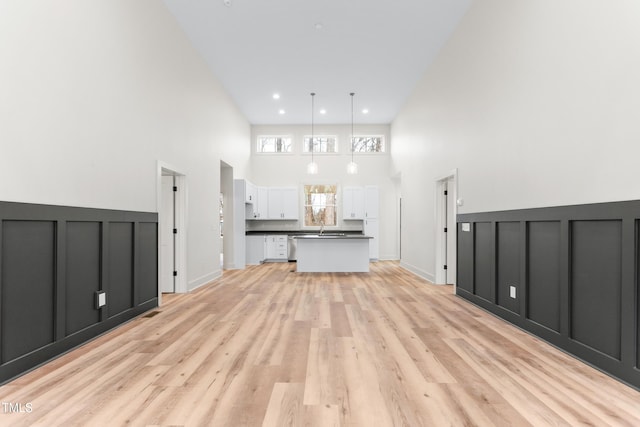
(321, 144)
(274, 144)
(320, 205)
(368, 144)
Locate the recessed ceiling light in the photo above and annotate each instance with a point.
(365, 111)
(281, 111)
(227, 3)
(318, 26)
(323, 111)
(276, 96)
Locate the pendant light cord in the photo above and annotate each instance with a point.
(352, 126)
(312, 141)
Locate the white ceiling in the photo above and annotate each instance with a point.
(378, 49)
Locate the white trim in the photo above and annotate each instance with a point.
(418, 272)
(204, 280)
(181, 225)
(449, 181)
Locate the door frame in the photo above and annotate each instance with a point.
(449, 182)
(180, 221)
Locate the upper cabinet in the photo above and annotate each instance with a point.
(283, 203)
(250, 192)
(261, 207)
(371, 201)
(360, 203)
(352, 203)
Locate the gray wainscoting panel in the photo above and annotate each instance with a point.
(83, 274)
(148, 261)
(543, 262)
(28, 282)
(120, 288)
(637, 293)
(53, 259)
(596, 284)
(579, 269)
(465, 259)
(483, 259)
(508, 268)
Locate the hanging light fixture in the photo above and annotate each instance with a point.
(312, 168)
(352, 167)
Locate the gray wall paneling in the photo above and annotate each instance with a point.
(577, 277)
(483, 261)
(52, 261)
(508, 267)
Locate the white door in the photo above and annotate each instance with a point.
(452, 229)
(167, 224)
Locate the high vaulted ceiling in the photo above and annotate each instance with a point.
(378, 49)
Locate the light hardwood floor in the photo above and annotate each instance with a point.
(268, 346)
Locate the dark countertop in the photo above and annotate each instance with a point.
(347, 233)
(332, 236)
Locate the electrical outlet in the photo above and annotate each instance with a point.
(512, 291)
(101, 299)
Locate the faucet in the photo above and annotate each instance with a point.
(321, 227)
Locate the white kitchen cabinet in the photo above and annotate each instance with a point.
(352, 203)
(372, 229)
(371, 201)
(261, 209)
(250, 192)
(276, 247)
(256, 249)
(283, 203)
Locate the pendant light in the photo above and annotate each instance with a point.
(352, 167)
(312, 168)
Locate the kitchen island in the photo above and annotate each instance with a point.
(332, 253)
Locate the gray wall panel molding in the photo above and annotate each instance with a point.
(578, 268)
(483, 260)
(52, 261)
(120, 267)
(596, 280)
(83, 274)
(508, 265)
(544, 274)
(464, 258)
(28, 285)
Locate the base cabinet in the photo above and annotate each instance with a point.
(276, 248)
(256, 249)
(372, 229)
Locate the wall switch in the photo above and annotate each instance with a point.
(466, 226)
(101, 299)
(512, 291)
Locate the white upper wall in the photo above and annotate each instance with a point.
(291, 170)
(94, 94)
(537, 103)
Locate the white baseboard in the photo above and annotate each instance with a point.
(418, 272)
(203, 280)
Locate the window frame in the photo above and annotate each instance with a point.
(321, 153)
(276, 153)
(335, 206)
(383, 144)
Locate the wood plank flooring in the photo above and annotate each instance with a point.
(268, 346)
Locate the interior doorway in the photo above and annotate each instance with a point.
(172, 231)
(226, 215)
(167, 238)
(446, 229)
